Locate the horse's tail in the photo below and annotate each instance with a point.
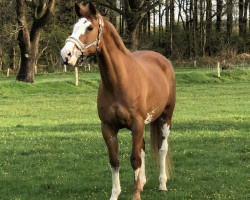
(156, 137)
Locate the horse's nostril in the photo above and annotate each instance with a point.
(69, 54)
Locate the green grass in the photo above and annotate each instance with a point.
(51, 146)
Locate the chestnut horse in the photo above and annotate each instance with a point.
(135, 89)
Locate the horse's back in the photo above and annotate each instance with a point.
(155, 63)
(154, 60)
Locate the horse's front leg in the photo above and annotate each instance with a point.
(110, 137)
(136, 160)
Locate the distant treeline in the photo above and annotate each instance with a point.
(179, 29)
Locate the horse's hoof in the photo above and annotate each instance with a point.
(163, 190)
(136, 197)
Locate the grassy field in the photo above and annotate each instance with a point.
(51, 146)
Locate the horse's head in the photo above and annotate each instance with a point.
(85, 38)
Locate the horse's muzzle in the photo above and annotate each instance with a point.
(64, 62)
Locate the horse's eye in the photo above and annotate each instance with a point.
(90, 28)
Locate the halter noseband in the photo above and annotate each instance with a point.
(82, 48)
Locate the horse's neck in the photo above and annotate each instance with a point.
(111, 63)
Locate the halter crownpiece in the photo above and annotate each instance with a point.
(82, 48)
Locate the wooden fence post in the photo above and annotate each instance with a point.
(8, 71)
(195, 63)
(218, 69)
(64, 68)
(76, 75)
(89, 66)
(35, 69)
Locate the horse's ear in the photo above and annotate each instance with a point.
(80, 10)
(92, 8)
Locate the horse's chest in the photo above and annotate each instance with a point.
(114, 113)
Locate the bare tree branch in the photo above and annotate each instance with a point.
(112, 7)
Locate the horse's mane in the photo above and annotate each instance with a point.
(115, 36)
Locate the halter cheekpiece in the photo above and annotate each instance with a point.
(82, 48)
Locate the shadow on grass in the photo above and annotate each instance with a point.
(184, 126)
(65, 128)
(209, 125)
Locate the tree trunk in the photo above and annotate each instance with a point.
(195, 28)
(188, 12)
(229, 12)
(219, 15)
(202, 28)
(148, 23)
(241, 11)
(144, 26)
(171, 24)
(167, 25)
(249, 19)
(1, 61)
(209, 25)
(120, 21)
(154, 27)
(28, 59)
(134, 38)
(160, 22)
(245, 18)
(29, 41)
(26, 72)
(12, 57)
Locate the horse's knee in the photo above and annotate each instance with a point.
(114, 163)
(135, 161)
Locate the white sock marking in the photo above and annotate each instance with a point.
(137, 173)
(116, 188)
(142, 171)
(163, 154)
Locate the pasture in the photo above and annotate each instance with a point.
(51, 145)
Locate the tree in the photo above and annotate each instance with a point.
(245, 18)
(133, 12)
(8, 34)
(229, 12)
(209, 25)
(29, 40)
(241, 11)
(169, 26)
(195, 21)
(219, 15)
(202, 28)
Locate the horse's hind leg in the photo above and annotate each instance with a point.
(160, 130)
(163, 151)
